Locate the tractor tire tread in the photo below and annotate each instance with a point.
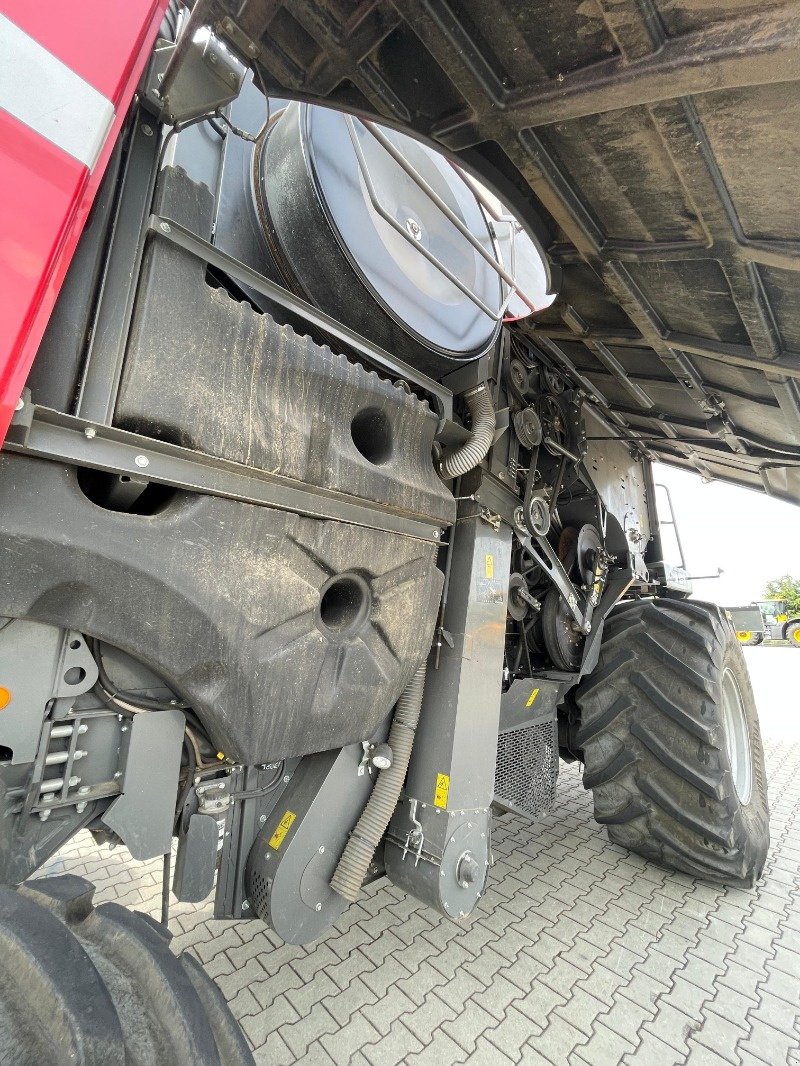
(103, 986)
(651, 735)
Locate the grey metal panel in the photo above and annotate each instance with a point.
(620, 480)
(196, 860)
(143, 815)
(457, 733)
(531, 699)
(437, 847)
(29, 656)
(292, 861)
(746, 619)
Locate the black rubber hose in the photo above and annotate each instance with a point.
(467, 455)
(368, 833)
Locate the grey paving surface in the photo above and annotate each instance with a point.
(578, 953)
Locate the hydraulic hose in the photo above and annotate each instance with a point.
(349, 875)
(467, 456)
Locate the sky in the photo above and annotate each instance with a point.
(752, 537)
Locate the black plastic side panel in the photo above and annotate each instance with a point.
(222, 600)
(210, 373)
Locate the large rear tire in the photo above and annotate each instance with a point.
(671, 744)
(99, 986)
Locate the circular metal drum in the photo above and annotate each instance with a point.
(356, 217)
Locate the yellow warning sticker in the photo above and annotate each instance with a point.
(490, 566)
(442, 790)
(532, 697)
(281, 829)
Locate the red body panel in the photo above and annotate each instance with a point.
(46, 194)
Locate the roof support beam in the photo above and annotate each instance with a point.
(757, 50)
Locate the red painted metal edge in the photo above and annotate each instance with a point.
(46, 193)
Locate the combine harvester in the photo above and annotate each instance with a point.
(337, 344)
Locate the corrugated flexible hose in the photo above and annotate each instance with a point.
(467, 456)
(368, 833)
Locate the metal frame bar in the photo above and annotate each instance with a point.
(103, 368)
(725, 55)
(67, 439)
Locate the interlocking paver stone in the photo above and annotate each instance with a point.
(577, 954)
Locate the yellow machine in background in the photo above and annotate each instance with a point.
(765, 620)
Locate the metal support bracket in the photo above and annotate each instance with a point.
(542, 551)
(64, 438)
(437, 846)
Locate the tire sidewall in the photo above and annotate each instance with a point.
(751, 820)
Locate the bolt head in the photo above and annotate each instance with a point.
(245, 905)
(165, 227)
(90, 432)
(142, 461)
(20, 404)
(318, 907)
(147, 130)
(262, 819)
(286, 780)
(322, 849)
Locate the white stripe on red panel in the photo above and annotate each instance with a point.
(43, 93)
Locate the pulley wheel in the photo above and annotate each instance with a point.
(528, 427)
(589, 543)
(348, 227)
(517, 607)
(561, 637)
(539, 514)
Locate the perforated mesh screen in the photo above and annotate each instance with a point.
(527, 768)
(257, 889)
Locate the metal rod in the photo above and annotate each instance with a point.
(553, 445)
(398, 228)
(449, 214)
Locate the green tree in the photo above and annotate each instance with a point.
(785, 588)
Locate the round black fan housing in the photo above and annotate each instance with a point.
(324, 186)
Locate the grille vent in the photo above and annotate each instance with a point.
(527, 768)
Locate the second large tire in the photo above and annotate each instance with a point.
(99, 986)
(671, 743)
